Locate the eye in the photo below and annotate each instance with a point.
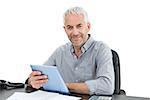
(79, 26)
(69, 27)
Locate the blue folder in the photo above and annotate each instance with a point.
(55, 82)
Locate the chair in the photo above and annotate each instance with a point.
(116, 64)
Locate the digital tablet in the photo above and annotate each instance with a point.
(55, 82)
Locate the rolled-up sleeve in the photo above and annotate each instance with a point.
(104, 81)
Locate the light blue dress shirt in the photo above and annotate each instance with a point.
(94, 66)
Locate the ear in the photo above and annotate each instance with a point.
(89, 25)
(64, 28)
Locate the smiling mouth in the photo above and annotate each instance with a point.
(75, 39)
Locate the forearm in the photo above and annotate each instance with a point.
(78, 88)
(102, 85)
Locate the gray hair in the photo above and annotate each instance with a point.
(76, 10)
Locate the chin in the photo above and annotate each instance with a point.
(77, 45)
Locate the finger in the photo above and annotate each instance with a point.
(42, 77)
(36, 78)
(35, 73)
(40, 82)
(37, 84)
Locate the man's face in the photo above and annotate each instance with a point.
(77, 29)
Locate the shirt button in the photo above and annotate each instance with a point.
(75, 56)
(76, 68)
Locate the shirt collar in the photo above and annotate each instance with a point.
(86, 45)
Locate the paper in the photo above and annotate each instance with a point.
(41, 95)
(104, 98)
(95, 97)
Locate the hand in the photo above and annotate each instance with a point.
(36, 79)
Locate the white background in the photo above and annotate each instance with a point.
(30, 30)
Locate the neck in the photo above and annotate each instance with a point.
(77, 52)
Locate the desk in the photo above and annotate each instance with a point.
(122, 97)
(4, 94)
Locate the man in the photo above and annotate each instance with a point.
(85, 64)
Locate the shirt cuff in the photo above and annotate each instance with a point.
(91, 86)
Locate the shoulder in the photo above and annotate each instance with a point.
(102, 49)
(100, 45)
(64, 47)
(103, 52)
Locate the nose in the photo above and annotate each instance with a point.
(75, 31)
